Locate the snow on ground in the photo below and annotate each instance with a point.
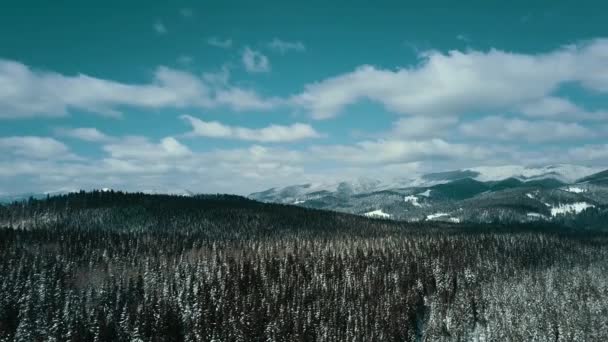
(570, 208)
(536, 215)
(413, 200)
(575, 190)
(427, 193)
(377, 213)
(530, 196)
(442, 215)
(436, 215)
(298, 202)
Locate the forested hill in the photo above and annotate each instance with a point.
(104, 266)
(213, 216)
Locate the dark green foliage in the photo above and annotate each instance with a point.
(546, 183)
(451, 175)
(508, 183)
(513, 183)
(459, 189)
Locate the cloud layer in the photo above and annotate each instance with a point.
(27, 93)
(272, 133)
(462, 82)
(451, 109)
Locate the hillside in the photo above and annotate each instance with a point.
(112, 266)
(210, 215)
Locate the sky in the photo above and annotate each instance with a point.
(240, 96)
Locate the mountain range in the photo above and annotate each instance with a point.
(567, 194)
(572, 194)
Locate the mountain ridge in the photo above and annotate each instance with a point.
(552, 193)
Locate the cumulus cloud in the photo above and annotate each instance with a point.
(435, 96)
(34, 147)
(460, 82)
(220, 43)
(244, 99)
(84, 133)
(495, 127)
(272, 133)
(141, 148)
(598, 153)
(139, 163)
(26, 93)
(254, 61)
(421, 126)
(283, 46)
(400, 151)
(551, 107)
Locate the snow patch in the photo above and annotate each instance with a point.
(575, 190)
(530, 196)
(298, 202)
(536, 215)
(570, 208)
(427, 193)
(413, 200)
(436, 215)
(377, 213)
(442, 215)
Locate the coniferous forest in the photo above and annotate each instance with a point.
(111, 266)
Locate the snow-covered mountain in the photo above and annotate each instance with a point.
(291, 194)
(481, 194)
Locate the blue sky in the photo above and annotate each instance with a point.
(238, 96)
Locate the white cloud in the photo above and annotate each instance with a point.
(272, 133)
(283, 47)
(221, 43)
(159, 27)
(495, 127)
(588, 153)
(141, 148)
(34, 147)
(400, 151)
(435, 95)
(218, 78)
(461, 82)
(255, 61)
(242, 99)
(421, 126)
(551, 107)
(84, 133)
(27, 93)
(138, 163)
